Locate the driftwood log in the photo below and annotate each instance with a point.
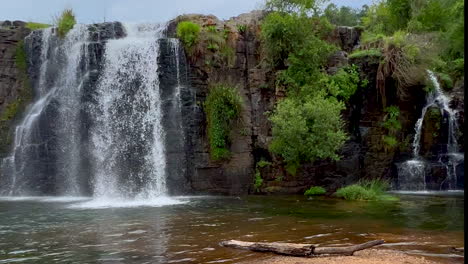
(299, 250)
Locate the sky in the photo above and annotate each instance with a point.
(93, 11)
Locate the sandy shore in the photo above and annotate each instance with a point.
(368, 256)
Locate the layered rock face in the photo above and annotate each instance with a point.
(363, 156)
(12, 84)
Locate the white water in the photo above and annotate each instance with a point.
(63, 91)
(129, 110)
(412, 173)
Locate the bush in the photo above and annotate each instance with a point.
(65, 22)
(36, 26)
(188, 32)
(315, 190)
(258, 180)
(307, 130)
(344, 83)
(222, 107)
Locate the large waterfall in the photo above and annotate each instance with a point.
(414, 174)
(107, 101)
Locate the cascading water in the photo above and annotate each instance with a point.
(107, 108)
(128, 116)
(56, 98)
(412, 173)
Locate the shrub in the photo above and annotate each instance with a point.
(258, 180)
(365, 53)
(344, 83)
(315, 190)
(241, 29)
(65, 22)
(222, 107)
(36, 26)
(188, 32)
(307, 130)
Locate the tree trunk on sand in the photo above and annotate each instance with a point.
(299, 250)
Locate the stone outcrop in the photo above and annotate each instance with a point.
(12, 83)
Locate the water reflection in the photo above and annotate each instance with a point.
(55, 232)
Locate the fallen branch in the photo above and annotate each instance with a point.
(299, 250)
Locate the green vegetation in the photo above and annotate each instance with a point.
(222, 107)
(344, 16)
(241, 29)
(263, 163)
(392, 125)
(209, 41)
(404, 28)
(65, 22)
(315, 190)
(365, 53)
(36, 26)
(366, 190)
(258, 181)
(20, 57)
(307, 124)
(188, 32)
(307, 130)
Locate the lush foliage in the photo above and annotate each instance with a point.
(35, 26)
(188, 32)
(65, 22)
(307, 125)
(435, 26)
(344, 16)
(315, 190)
(343, 84)
(222, 108)
(307, 130)
(365, 190)
(392, 125)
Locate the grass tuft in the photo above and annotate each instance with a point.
(315, 190)
(65, 22)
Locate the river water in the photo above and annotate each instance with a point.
(188, 229)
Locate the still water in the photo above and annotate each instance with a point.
(188, 229)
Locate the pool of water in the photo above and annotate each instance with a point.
(188, 229)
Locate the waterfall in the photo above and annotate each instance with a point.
(128, 127)
(107, 116)
(59, 95)
(412, 174)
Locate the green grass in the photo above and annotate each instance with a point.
(36, 26)
(222, 107)
(188, 32)
(315, 190)
(366, 190)
(365, 53)
(65, 22)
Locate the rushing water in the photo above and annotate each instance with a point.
(65, 230)
(100, 119)
(412, 173)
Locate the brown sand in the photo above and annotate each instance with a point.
(368, 256)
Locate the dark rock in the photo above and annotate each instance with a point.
(347, 38)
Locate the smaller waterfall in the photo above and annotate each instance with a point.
(412, 174)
